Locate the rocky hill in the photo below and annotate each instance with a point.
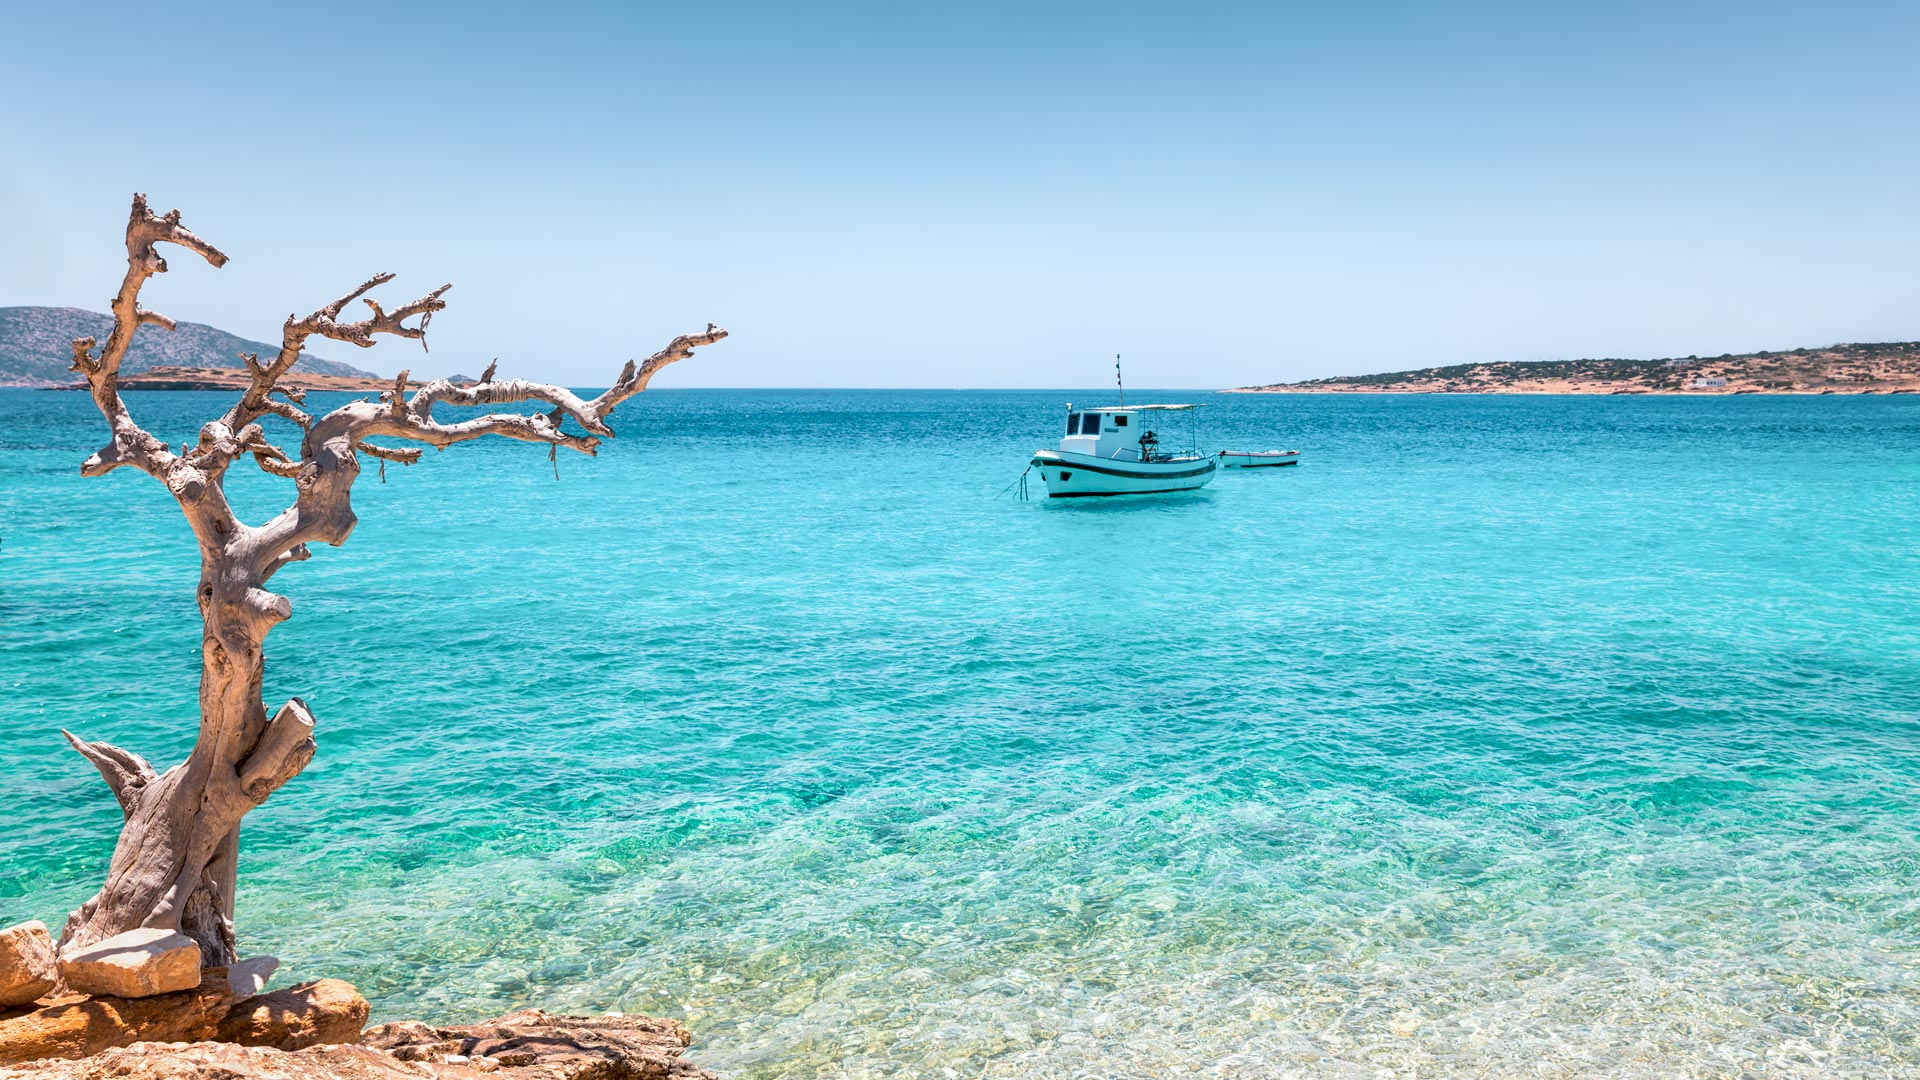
(36, 347)
(1891, 367)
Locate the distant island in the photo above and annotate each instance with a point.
(208, 378)
(36, 349)
(1879, 368)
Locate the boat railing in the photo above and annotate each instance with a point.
(1132, 453)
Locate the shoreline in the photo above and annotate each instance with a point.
(238, 379)
(1572, 392)
(1862, 368)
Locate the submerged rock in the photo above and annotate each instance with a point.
(29, 970)
(313, 1013)
(139, 963)
(532, 1043)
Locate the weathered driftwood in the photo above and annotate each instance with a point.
(175, 861)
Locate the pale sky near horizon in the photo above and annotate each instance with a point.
(987, 194)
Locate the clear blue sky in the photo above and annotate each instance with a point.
(989, 195)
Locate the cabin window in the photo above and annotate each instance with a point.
(1091, 425)
(1073, 423)
(1120, 421)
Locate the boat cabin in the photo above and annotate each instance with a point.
(1113, 431)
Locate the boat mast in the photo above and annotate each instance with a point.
(1118, 381)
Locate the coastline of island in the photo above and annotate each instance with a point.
(208, 378)
(1868, 368)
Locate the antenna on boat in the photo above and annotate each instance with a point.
(1118, 381)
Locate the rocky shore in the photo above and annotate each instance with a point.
(140, 1007)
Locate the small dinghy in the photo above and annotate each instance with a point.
(1258, 459)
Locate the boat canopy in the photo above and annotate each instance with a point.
(1134, 408)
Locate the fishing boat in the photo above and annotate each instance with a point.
(1258, 459)
(1115, 451)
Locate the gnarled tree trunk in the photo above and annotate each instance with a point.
(175, 864)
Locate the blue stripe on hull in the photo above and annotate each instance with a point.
(1106, 494)
(1075, 466)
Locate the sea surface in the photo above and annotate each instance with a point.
(1504, 736)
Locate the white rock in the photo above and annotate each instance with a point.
(28, 967)
(138, 963)
(455, 1059)
(248, 977)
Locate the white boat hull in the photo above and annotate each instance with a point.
(1070, 476)
(1258, 459)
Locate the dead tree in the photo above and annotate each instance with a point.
(175, 861)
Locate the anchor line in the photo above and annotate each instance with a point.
(1020, 480)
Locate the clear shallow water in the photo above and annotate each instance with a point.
(1505, 737)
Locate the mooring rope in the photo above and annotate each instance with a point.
(1021, 480)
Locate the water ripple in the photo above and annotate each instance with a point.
(1503, 737)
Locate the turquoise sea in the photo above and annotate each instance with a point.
(1503, 737)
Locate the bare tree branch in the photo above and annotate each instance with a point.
(325, 323)
(333, 310)
(417, 422)
(298, 553)
(275, 461)
(258, 399)
(287, 412)
(131, 444)
(633, 381)
(383, 322)
(284, 749)
(219, 448)
(405, 456)
(124, 771)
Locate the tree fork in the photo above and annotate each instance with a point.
(176, 860)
